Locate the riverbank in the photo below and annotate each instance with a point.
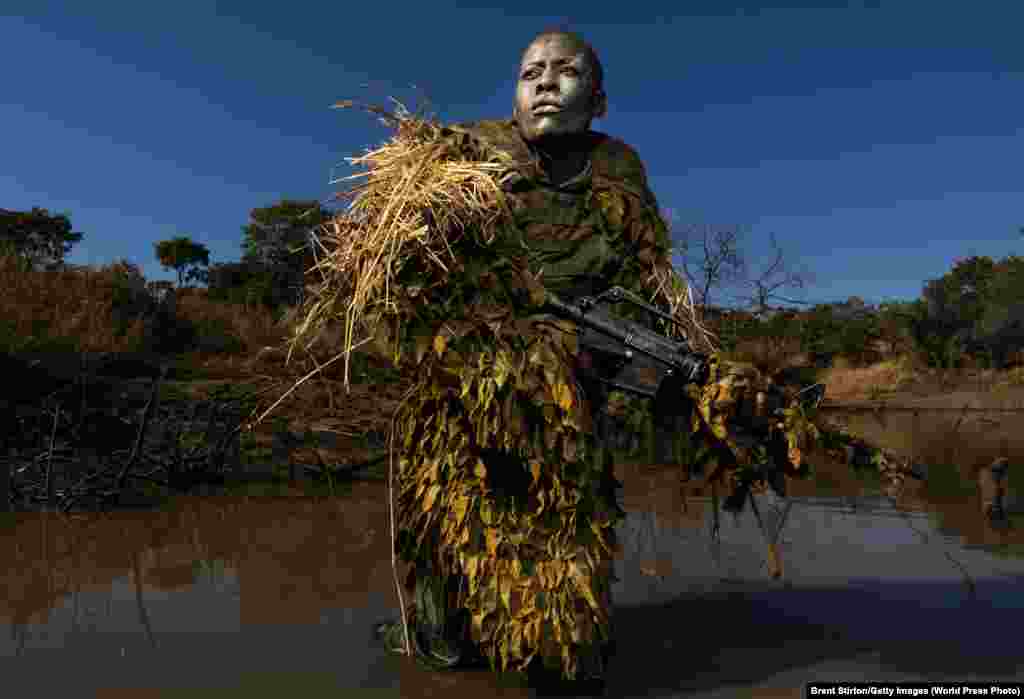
(319, 431)
(898, 382)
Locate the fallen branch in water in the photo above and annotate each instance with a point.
(49, 460)
(153, 398)
(51, 474)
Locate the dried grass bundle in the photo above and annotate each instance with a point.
(673, 288)
(416, 194)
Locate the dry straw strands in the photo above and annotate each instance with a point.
(673, 288)
(414, 196)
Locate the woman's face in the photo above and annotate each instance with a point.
(555, 90)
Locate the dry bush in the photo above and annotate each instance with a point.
(852, 383)
(959, 449)
(770, 355)
(71, 309)
(673, 289)
(227, 327)
(909, 375)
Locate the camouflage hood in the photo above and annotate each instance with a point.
(599, 229)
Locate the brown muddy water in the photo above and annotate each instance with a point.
(236, 596)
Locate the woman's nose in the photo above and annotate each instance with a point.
(547, 79)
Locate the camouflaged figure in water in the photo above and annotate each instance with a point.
(507, 503)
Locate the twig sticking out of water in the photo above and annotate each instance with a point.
(773, 560)
(716, 541)
(49, 460)
(968, 581)
(154, 397)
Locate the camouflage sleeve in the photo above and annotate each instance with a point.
(645, 239)
(640, 241)
(651, 230)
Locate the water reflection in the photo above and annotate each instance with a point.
(269, 595)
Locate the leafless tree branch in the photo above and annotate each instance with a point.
(718, 260)
(774, 277)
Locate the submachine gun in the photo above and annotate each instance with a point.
(629, 356)
(634, 358)
(625, 355)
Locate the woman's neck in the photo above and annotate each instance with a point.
(562, 157)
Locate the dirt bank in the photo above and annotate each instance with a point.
(896, 383)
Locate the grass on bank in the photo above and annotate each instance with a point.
(90, 310)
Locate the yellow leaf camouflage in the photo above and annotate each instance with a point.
(502, 382)
(738, 419)
(500, 476)
(444, 432)
(439, 345)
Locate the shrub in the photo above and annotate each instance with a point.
(111, 310)
(221, 327)
(70, 309)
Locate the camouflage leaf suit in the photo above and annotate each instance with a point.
(506, 501)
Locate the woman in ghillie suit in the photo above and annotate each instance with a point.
(505, 502)
(506, 499)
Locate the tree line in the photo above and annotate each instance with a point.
(971, 316)
(973, 313)
(276, 251)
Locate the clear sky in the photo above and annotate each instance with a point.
(878, 140)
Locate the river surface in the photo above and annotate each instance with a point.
(253, 597)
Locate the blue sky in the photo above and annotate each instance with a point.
(879, 141)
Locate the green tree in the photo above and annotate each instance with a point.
(40, 239)
(958, 299)
(246, 282)
(277, 238)
(820, 334)
(971, 309)
(857, 337)
(933, 339)
(184, 256)
(999, 331)
(131, 299)
(893, 325)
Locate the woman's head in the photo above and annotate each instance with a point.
(560, 86)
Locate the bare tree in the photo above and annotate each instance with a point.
(775, 277)
(710, 257)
